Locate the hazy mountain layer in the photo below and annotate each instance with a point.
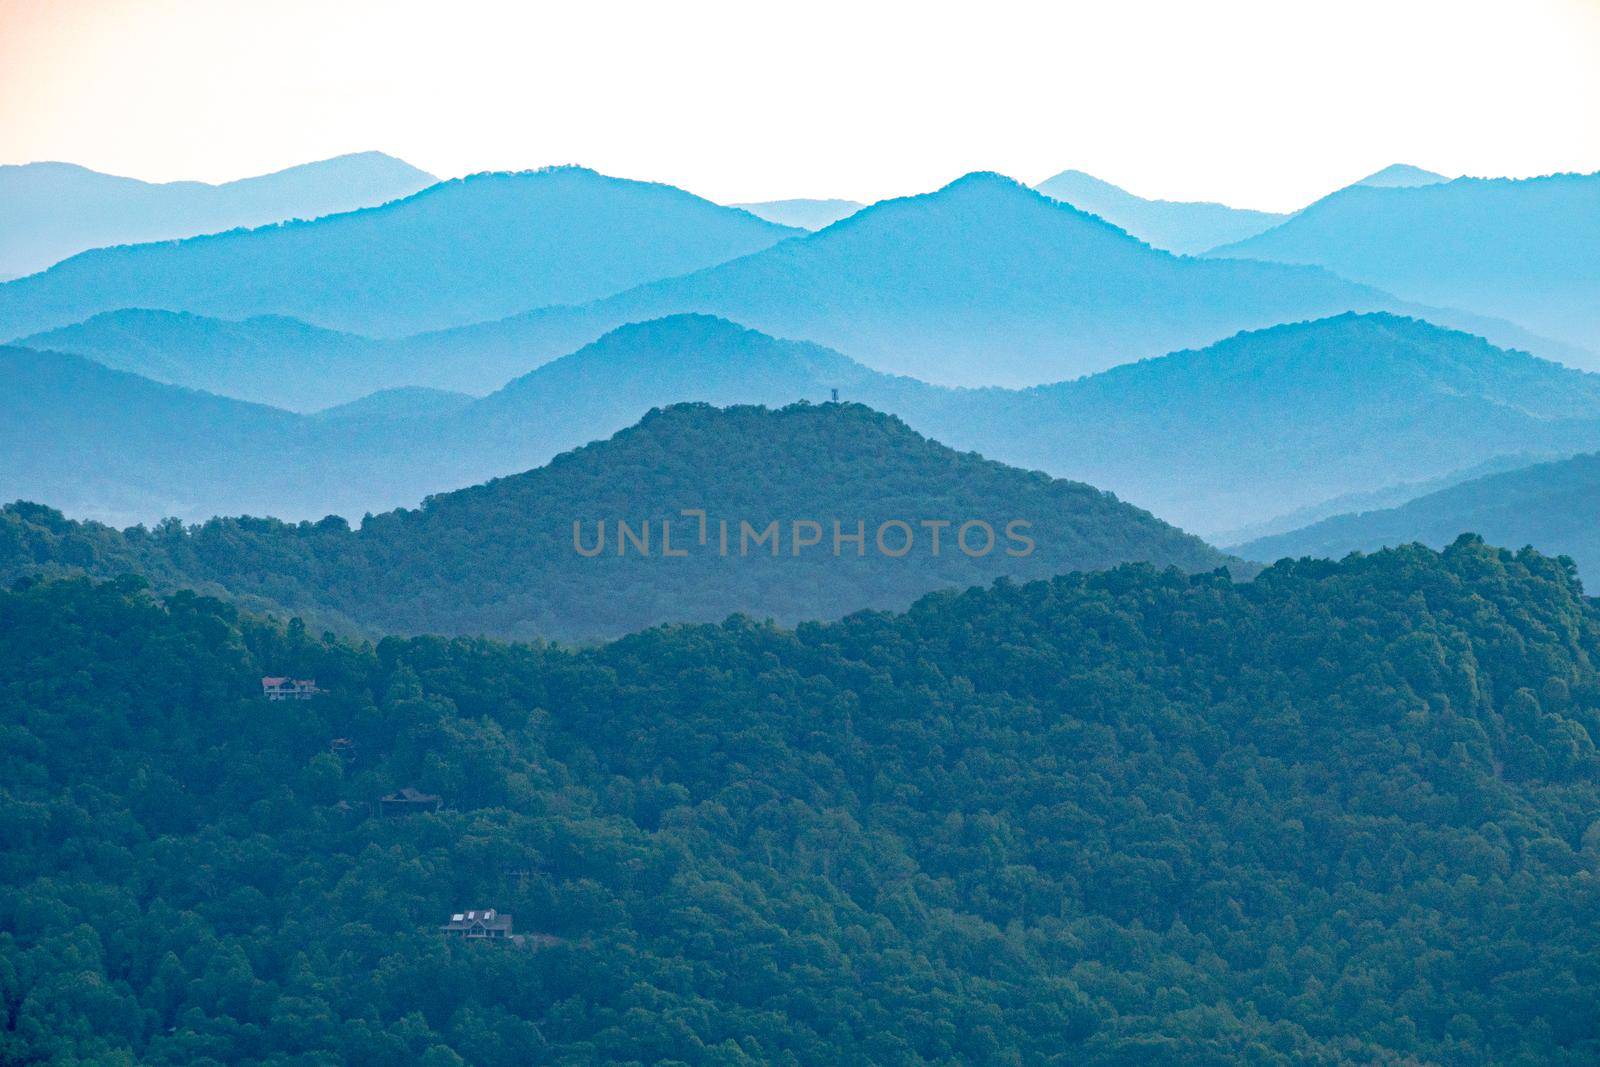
(1184, 227)
(983, 282)
(920, 286)
(269, 359)
(987, 282)
(1241, 432)
(120, 447)
(459, 252)
(1528, 251)
(1268, 421)
(1388, 496)
(49, 211)
(1550, 505)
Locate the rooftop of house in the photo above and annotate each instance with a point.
(489, 919)
(412, 795)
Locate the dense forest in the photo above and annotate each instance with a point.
(501, 559)
(1346, 812)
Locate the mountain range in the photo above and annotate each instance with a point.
(1184, 227)
(49, 211)
(119, 447)
(1524, 250)
(984, 282)
(1192, 227)
(460, 251)
(1274, 420)
(1551, 505)
(504, 558)
(1246, 430)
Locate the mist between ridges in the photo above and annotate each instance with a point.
(698, 533)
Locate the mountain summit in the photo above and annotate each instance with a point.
(1185, 227)
(1401, 176)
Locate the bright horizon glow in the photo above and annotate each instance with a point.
(1248, 102)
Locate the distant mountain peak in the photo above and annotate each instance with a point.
(1070, 183)
(1359, 340)
(682, 323)
(805, 213)
(1401, 176)
(369, 161)
(1081, 177)
(1182, 227)
(984, 192)
(708, 356)
(574, 175)
(982, 179)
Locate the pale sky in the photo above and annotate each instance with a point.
(1258, 104)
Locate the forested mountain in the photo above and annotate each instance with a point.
(803, 214)
(1528, 251)
(544, 553)
(1185, 227)
(1346, 813)
(49, 211)
(458, 252)
(1550, 505)
(1354, 404)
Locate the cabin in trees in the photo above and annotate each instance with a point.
(289, 688)
(489, 925)
(408, 801)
